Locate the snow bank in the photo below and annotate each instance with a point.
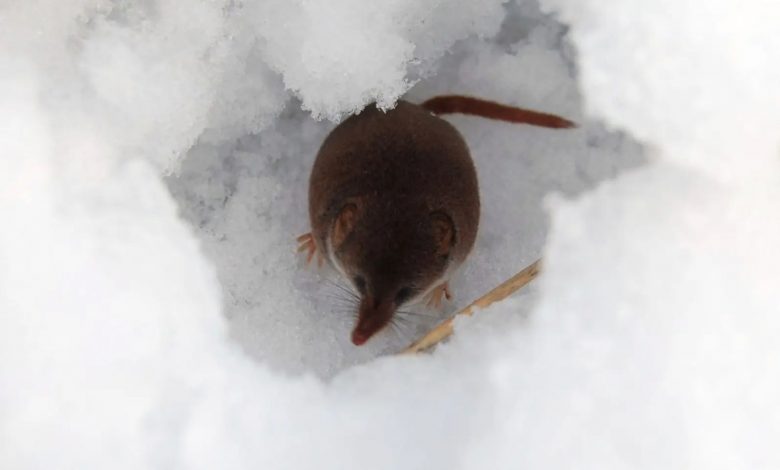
(131, 337)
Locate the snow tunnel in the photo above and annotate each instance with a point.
(246, 197)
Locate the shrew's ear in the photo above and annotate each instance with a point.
(443, 232)
(344, 224)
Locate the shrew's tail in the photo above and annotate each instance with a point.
(488, 109)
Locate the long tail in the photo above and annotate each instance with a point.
(488, 109)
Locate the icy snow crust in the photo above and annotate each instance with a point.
(153, 313)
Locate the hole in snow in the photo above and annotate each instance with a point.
(247, 198)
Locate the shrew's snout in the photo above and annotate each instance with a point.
(373, 315)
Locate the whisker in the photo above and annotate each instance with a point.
(341, 296)
(342, 286)
(337, 295)
(341, 304)
(416, 319)
(406, 322)
(413, 313)
(342, 301)
(343, 307)
(395, 330)
(403, 330)
(349, 292)
(401, 320)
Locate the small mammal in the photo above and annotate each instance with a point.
(394, 202)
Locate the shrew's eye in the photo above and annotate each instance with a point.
(403, 295)
(360, 283)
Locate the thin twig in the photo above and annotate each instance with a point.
(445, 329)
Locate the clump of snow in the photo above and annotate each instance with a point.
(153, 313)
(697, 83)
(339, 55)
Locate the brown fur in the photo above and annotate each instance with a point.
(394, 201)
(397, 195)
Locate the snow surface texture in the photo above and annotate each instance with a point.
(650, 341)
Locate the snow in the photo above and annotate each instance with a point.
(234, 191)
(154, 313)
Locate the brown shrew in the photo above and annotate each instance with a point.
(394, 202)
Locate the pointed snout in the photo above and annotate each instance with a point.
(359, 337)
(373, 315)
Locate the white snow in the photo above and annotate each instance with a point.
(154, 313)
